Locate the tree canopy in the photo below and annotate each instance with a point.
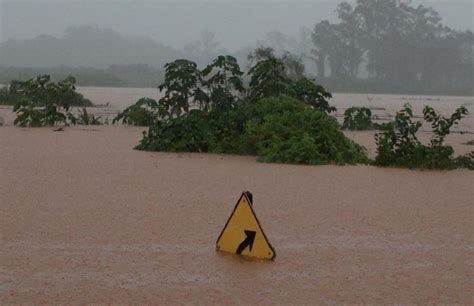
(399, 44)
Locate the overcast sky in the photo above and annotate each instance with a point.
(235, 22)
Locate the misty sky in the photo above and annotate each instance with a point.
(235, 22)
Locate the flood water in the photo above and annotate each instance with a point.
(383, 106)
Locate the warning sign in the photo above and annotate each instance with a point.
(243, 234)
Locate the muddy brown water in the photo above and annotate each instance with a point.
(86, 219)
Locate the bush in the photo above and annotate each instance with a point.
(279, 129)
(85, 118)
(8, 98)
(182, 85)
(44, 103)
(312, 94)
(143, 113)
(198, 131)
(228, 131)
(268, 78)
(187, 133)
(283, 118)
(271, 77)
(11, 96)
(357, 119)
(78, 100)
(397, 144)
(223, 80)
(290, 132)
(465, 161)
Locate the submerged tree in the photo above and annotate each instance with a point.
(182, 86)
(223, 78)
(45, 103)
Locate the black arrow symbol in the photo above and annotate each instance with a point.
(248, 242)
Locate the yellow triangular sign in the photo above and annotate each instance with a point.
(243, 234)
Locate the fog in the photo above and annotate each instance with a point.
(236, 23)
(387, 46)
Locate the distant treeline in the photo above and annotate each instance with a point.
(376, 46)
(114, 76)
(85, 46)
(374, 86)
(148, 77)
(403, 48)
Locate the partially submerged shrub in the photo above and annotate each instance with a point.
(465, 161)
(86, 118)
(78, 100)
(441, 125)
(187, 133)
(228, 130)
(295, 133)
(7, 97)
(143, 113)
(397, 144)
(223, 79)
(358, 119)
(182, 88)
(270, 78)
(279, 129)
(12, 95)
(44, 103)
(312, 94)
(198, 131)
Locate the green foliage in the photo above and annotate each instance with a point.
(397, 144)
(187, 133)
(8, 98)
(311, 94)
(85, 118)
(357, 119)
(268, 78)
(143, 113)
(182, 86)
(283, 118)
(224, 81)
(272, 77)
(228, 131)
(465, 161)
(287, 131)
(216, 131)
(11, 96)
(43, 102)
(219, 86)
(279, 129)
(441, 125)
